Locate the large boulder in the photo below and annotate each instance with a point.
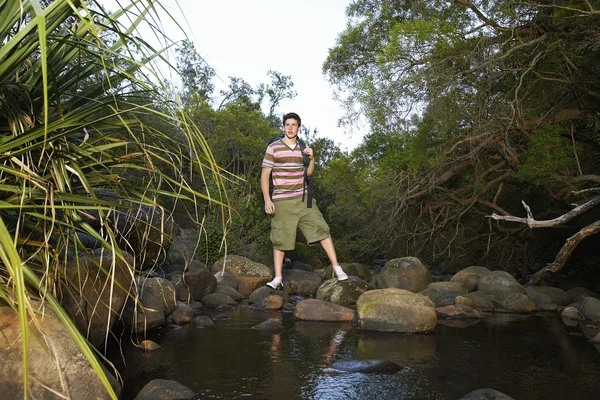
(578, 293)
(344, 293)
(161, 289)
(406, 273)
(249, 274)
(395, 310)
(300, 282)
(469, 277)
(200, 282)
(319, 310)
(548, 298)
(56, 366)
(143, 314)
(94, 289)
(499, 283)
(590, 308)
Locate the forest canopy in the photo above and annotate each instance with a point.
(473, 107)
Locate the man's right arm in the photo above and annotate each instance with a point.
(265, 176)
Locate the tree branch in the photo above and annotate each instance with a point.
(564, 253)
(532, 223)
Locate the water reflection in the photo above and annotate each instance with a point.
(395, 347)
(523, 356)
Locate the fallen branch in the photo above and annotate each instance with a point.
(564, 253)
(532, 223)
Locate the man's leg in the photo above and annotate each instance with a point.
(327, 245)
(278, 256)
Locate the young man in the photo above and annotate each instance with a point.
(284, 159)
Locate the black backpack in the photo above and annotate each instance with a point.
(308, 188)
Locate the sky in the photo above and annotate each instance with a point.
(246, 39)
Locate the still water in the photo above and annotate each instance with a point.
(526, 357)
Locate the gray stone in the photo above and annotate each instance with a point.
(548, 298)
(229, 291)
(182, 314)
(395, 310)
(163, 389)
(203, 321)
(273, 324)
(590, 308)
(263, 292)
(200, 281)
(217, 300)
(458, 312)
(500, 283)
(94, 291)
(162, 289)
(55, 362)
(146, 315)
(486, 394)
(319, 310)
(571, 313)
(302, 283)
(469, 277)
(250, 275)
(406, 273)
(344, 293)
(149, 345)
(226, 278)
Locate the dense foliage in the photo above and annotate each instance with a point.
(473, 106)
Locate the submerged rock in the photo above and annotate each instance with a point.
(203, 321)
(149, 345)
(164, 389)
(273, 324)
(486, 394)
(365, 366)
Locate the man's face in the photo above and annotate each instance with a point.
(291, 128)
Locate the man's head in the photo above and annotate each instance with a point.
(291, 125)
(292, 115)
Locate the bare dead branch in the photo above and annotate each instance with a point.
(564, 253)
(532, 223)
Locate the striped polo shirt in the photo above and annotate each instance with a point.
(287, 169)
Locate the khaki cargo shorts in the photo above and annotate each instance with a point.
(292, 214)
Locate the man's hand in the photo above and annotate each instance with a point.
(309, 152)
(269, 207)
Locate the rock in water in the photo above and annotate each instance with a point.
(365, 366)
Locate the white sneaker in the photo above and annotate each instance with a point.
(275, 283)
(339, 273)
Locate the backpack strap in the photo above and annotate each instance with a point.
(307, 187)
